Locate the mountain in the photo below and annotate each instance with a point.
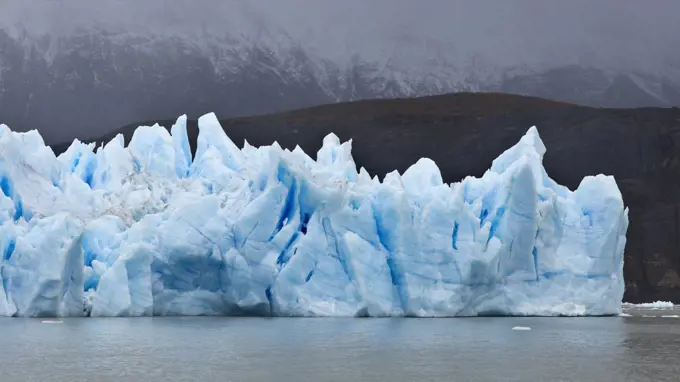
(82, 68)
(464, 132)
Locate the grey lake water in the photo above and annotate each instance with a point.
(643, 347)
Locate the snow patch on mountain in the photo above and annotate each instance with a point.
(66, 63)
(446, 45)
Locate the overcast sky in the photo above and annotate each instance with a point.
(605, 33)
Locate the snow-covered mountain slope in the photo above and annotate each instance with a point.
(64, 64)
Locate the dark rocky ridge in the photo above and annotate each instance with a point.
(464, 132)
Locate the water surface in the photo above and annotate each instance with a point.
(635, 348)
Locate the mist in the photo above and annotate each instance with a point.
(427, 47)
(618, 34)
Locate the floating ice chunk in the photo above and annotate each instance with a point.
(148, 230)
(651, 305)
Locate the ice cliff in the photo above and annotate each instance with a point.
(148, 230)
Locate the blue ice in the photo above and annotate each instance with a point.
(148, 230)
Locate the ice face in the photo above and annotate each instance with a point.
(147, 230)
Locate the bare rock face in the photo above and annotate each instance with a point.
(464, 132)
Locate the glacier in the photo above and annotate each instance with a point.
(148, 229)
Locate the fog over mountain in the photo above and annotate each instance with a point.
(84, 67)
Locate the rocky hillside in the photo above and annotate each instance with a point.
(464, 132)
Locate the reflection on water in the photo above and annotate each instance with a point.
(258, 349)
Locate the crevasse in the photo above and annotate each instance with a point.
(147, 230)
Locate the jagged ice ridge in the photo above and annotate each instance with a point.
(147, 230)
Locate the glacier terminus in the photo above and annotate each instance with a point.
(150, 229)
